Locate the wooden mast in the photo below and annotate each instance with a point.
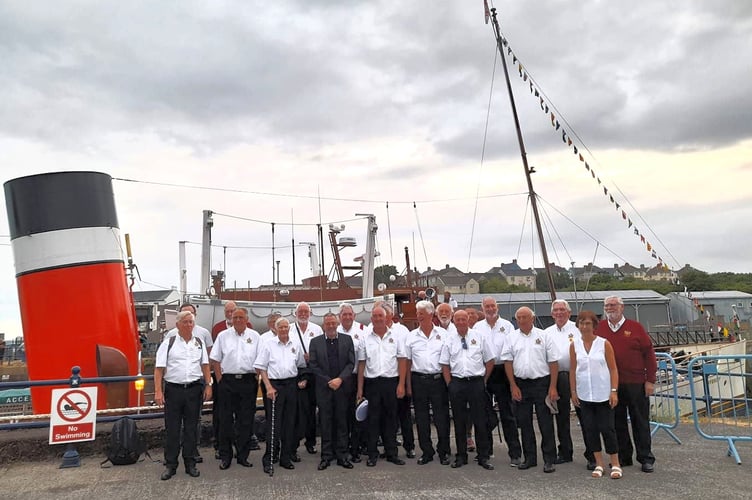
(523, 153)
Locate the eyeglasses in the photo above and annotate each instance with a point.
(614, 304)
(464, 343)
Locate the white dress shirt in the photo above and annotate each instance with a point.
(380, 354)
(563, 337)
(425, 352)
(357, 333)
(279, 360)
(183, 364)
(235, 352)
(530, 353)
(301, 337)
(467, 362)
(497, 334)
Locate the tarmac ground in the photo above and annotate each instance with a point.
(698, 468)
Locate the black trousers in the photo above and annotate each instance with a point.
(430, 393)
(632, 398)
(405, 422)
(381, 393)
(237, 410)
(333, 415)
(563, 431)
(281, 445)
(597, 421)
(588, 454)
(181, 411)
(307, 414)
(534, 392)
(357, 431)
(498, 387)
(468, 398)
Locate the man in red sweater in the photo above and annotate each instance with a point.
(636, 363)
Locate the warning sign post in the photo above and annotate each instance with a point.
(74, 415)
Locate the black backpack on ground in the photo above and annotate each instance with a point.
(126, 445)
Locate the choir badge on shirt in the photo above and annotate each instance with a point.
(356, 336)
(391, 340)
(310, 334)
(438, 337)
(627, 333)
(292, 350)
(571, 337)
(473, 342)
(538, 341)
(249, 341)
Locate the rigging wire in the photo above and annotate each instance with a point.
(302, 196)
(291, 223)
(389, 229)
(482, 158)
(420, 232)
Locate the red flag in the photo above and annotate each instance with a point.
(488, 12)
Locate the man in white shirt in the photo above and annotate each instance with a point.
(498, 329)
(301, 332)
(466, 363)
(232, 357)
(404, 417)
(444, 313)
(356, 431)
(563, 333)
(423, 380)
(183, 365)
(380, 381)
(530, 358)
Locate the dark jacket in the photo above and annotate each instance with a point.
(318, 360)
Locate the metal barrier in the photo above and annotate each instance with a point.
(720, 406)
(664, 403)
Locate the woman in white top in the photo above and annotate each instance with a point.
(594, 381)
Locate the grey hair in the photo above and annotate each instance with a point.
(345, 305)
(300, 304)
(618, 299)
(183, 314)
(561, 301)
(280, 320)
(426, 306)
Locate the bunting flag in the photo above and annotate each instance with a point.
(653, 254)
(565, 137)
(649, 247)
(605, 189)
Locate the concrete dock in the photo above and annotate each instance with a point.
(698, 468)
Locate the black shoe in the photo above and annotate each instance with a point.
(382, 455)
(167, 474)
(548, 468)
(224, 465)
(444, 460)
(410, 453)
(323, 464)
(245, 463)
(295, 458)
(268, 469)
(515, 462)
(311, 449)
(254, 445)
(345, 463)
(648, 467)
(562, 460)
(396, 460)
(626, 463)
(485, 464)
(459, 462)
(192, 471)
(424, 460)
(590, 465)
(371, 462)
(287, 465)
(355, 459)
(198, 459)
(527, 465)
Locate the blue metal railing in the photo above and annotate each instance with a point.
(666, 391)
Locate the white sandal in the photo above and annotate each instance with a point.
(616, 473)
(597, 472)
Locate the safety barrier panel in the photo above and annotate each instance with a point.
(720, 405)
(664, 404)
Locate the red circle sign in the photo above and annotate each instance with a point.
(74, 405)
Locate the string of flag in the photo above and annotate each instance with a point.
(566, 138)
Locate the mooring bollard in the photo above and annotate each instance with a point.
(71, 458)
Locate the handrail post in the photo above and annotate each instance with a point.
(71, 458)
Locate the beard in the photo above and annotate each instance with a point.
(614, 317)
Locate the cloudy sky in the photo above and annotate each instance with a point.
(316, 110)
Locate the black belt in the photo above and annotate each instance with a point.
(431, 376)
(185, 386)
(468, 379)
(283, 380)
(563, 371)
(239, 376)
